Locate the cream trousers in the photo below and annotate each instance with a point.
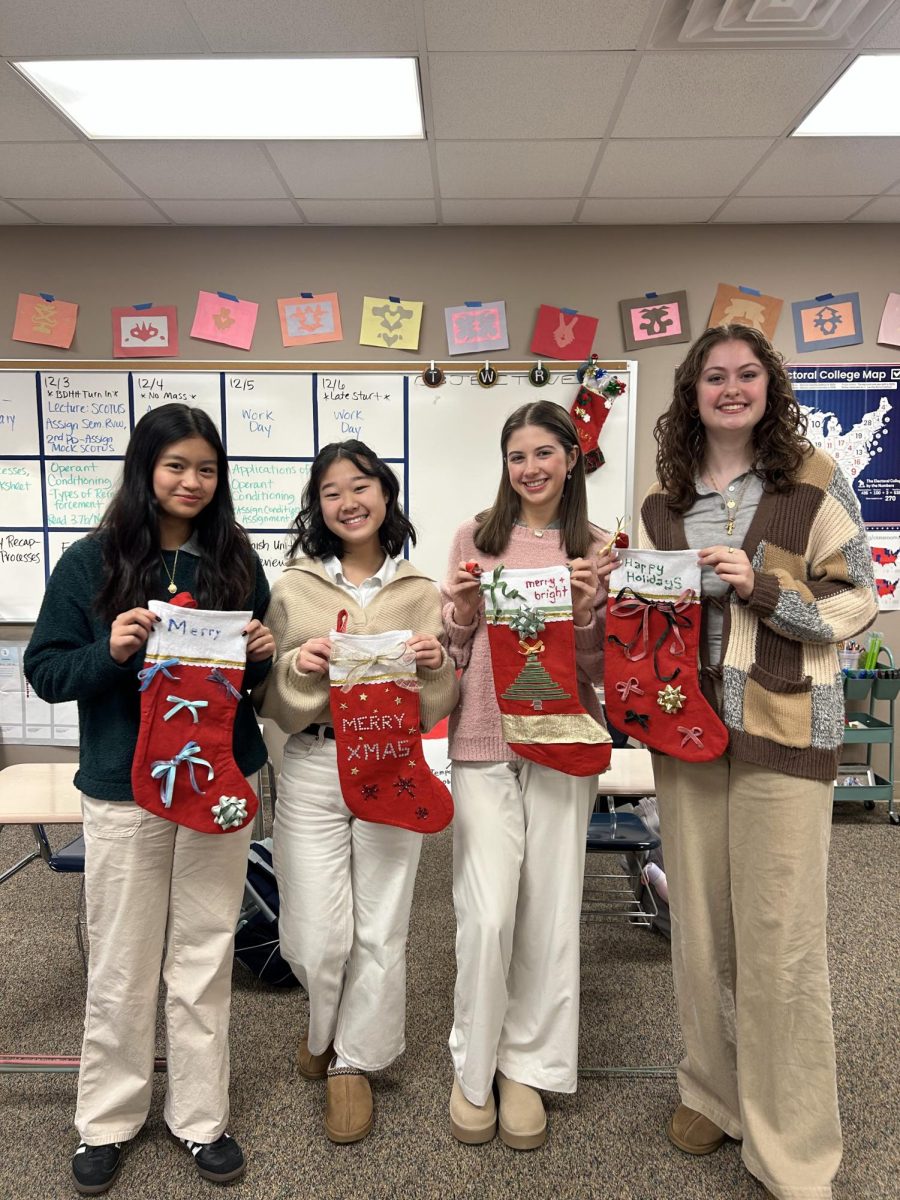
(157, 893)
(746, 855)
(519, 836)
(346, 889)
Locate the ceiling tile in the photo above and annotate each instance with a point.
(641, 211)
(231, 212)
(355, 170)
(94, 212)
(847, 166)
(369, 212)
(11, 216)
(193, 170)
(25, 116)
(718, 93)
(524, 95)
(680, 167)
(508, 212)
(888, 36)
(804, 210)
(882, 209)
(46, 170)
(101, 27)
(286, 27)
(472, 170)
(535, 25)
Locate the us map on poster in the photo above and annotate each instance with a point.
(854, 413)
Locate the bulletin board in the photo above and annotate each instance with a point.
(64, 430)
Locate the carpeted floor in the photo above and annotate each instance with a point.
(607, 1141)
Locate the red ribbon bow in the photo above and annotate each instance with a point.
(629, 603)
(627, 686)
(690, 735)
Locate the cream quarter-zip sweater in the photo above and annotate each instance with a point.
(305, 604)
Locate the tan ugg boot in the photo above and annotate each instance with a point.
(693, 1133)
(471, 1123)
(348, 1105)
(523, 1122)
(313, 1066)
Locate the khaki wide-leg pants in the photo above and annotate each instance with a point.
(156, 893)
(746, 854)
(519, 840)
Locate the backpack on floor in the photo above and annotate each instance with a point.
(256, 937)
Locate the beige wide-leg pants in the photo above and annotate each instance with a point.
(519, 838)
(346, 889)
(156, 893)
(746, 855)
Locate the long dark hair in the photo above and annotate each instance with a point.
(129, 529)
(779, 441)
(312, 535)
(495, 523)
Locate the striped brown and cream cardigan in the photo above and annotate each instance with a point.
(782, 697)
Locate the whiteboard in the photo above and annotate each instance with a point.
(64, 431)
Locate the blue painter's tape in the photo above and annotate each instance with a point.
(749, 291)
(570, 312)
(306, 295)
(141, 307)
(474, 303)
(46, 296)
(394, 299)
(228, 296)
(650, 295)
(827, 296)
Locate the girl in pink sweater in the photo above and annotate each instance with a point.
(519, 829)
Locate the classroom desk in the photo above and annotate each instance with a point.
(38, 794)
(630, 774)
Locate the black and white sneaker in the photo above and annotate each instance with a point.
(219, 1161)
(94, 1168)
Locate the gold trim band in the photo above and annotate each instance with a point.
(558, 729)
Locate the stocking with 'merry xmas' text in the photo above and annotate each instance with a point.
(532, 641)
(375, 713)
(652, 655)
(183, 767)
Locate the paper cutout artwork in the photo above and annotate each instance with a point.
(310, 319)
(223, 318)
(826, 322)
(736, 305)
(389, 321)
(476, 328)
(44, 320)
(563, 333)
(889, 329)
(655, 320)
(145, 331)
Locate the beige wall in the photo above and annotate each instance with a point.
(589, 269)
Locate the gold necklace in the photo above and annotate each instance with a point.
(172, 588)
(732, 503)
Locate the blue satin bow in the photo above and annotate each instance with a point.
(167, 767)
(148, 674)
(218, 677)
(178, 704)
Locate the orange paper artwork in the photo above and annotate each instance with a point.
(735, 305)
(45, 321)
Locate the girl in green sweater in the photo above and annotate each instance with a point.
(156, 890)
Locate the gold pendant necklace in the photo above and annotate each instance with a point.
(172, 588)
(732, 503)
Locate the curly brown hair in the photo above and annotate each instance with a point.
(779, 438)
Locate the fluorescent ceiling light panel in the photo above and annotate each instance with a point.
(864, 102)
(230, 98)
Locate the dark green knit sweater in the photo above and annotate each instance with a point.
(68, 659)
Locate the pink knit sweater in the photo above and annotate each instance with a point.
(475, 733)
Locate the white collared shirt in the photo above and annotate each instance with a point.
(366, 591)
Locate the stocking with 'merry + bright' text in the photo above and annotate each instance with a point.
(183, 767)
(652, 655)
(532, 642)
(375, 712)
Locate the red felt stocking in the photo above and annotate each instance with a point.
(183, 767)
(590, 410)
(652, 654)
(375, 711)
(530, 630)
